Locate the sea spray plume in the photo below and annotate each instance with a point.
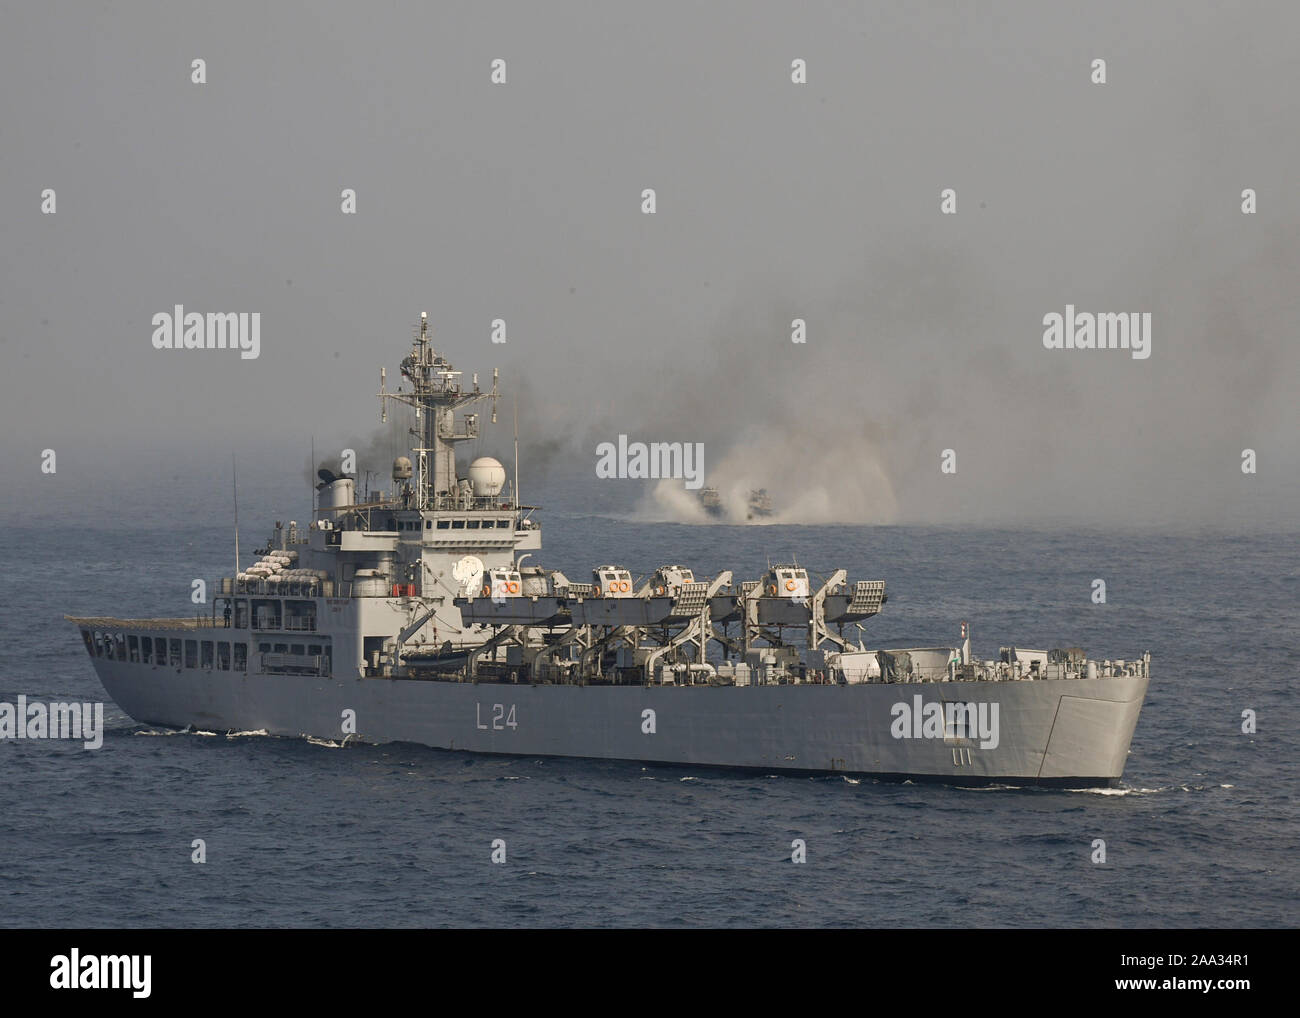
(846, 483)
(920, 349)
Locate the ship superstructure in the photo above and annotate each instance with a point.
(409, 613)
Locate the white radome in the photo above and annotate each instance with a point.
(487, 475)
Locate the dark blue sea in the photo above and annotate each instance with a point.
(1201, 833)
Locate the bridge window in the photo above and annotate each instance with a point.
(191, 653)
(223, 656)
(444, 524)
(300, 615)
(457, 524)
(266, 614)
(133, 645)
(206, 655)
(241, 658)
(176, 653)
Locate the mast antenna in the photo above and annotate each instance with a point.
(234, 488)
(516, 403)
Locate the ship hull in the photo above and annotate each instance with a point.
(1061, 732)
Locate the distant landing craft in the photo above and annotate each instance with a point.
(758, 504)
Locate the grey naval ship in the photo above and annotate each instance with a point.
(408, 614)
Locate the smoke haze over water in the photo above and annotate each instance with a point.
(775, 202)
(903, 364)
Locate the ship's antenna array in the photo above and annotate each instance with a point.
(436, 396)
(516, 402)
(234, 488)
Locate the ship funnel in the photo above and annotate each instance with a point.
(337, 494)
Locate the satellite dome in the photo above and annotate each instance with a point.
(487, 475)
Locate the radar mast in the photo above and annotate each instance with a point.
(437, 395)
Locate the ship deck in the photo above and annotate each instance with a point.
(109, 622)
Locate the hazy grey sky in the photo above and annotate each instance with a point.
(775, 201)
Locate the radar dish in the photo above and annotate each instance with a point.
(326, 476)
(468, 572)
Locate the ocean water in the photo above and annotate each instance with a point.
(1201, 833)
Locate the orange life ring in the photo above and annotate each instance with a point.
(623, 585)
(772, 589)
(487, 591)
(790, 584)
(659, 591)
(513, 587)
